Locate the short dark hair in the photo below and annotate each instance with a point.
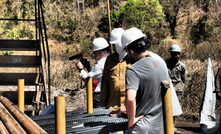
(138, 46)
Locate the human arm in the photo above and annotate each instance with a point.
(132, 85)
(83, 73)
(131, 107)
(183, 73)
(96, 71)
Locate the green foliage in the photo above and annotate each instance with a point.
(116, 21)
(23, 9)
(141, 13)
(146, 15)
(11, 34)
(18, 31)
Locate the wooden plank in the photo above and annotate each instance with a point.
(18, 45)
(19, 61)
(12, 78)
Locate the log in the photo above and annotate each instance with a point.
(3, 130)
(26, 121)
(11, 124)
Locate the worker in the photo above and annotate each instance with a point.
(143, 85)
(218, 84)
(113, 79)
(100, 52)
(177, 73)
(218, 92)
(177, 69)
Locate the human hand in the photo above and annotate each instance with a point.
(114, 113)
(136, 119)
(79, 65)
(218, 95)
(118, 112)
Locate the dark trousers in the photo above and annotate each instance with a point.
(96, 100)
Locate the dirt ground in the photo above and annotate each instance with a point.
(188, 127)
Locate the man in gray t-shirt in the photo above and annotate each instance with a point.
(143, 84)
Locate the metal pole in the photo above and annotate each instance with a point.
(169, 128)
(89, 96)
(60, 115)
(21, 97)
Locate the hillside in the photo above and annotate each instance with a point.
(193, 24)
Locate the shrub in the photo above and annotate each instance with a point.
(146, 15)
(116, 21)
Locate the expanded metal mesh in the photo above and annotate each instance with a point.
(81, 122)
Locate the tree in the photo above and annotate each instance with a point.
(146, 15)
(171, 10)
(116, 21)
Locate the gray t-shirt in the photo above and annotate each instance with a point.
(145, 76)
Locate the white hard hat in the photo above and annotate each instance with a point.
(119, 48)
(115, 35)
(99, 44)
(115, 38)
(131, 35)
(175, 48)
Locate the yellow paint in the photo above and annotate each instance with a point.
(21, 96)
(89, 96)
(60, 115)
(169, 127)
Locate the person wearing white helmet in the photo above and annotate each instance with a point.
(113, 79)
(143, 85)
(177, 69)
(177, 73)
(100, 52)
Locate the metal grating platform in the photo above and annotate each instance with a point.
(83, 123)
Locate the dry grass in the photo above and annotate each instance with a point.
(195, 59)
(65, 78)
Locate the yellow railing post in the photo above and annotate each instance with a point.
(60, 115)
(168, 113)
(21, 97)
(89, 96)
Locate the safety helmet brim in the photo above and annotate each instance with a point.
(99, 44)
(131, 35)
